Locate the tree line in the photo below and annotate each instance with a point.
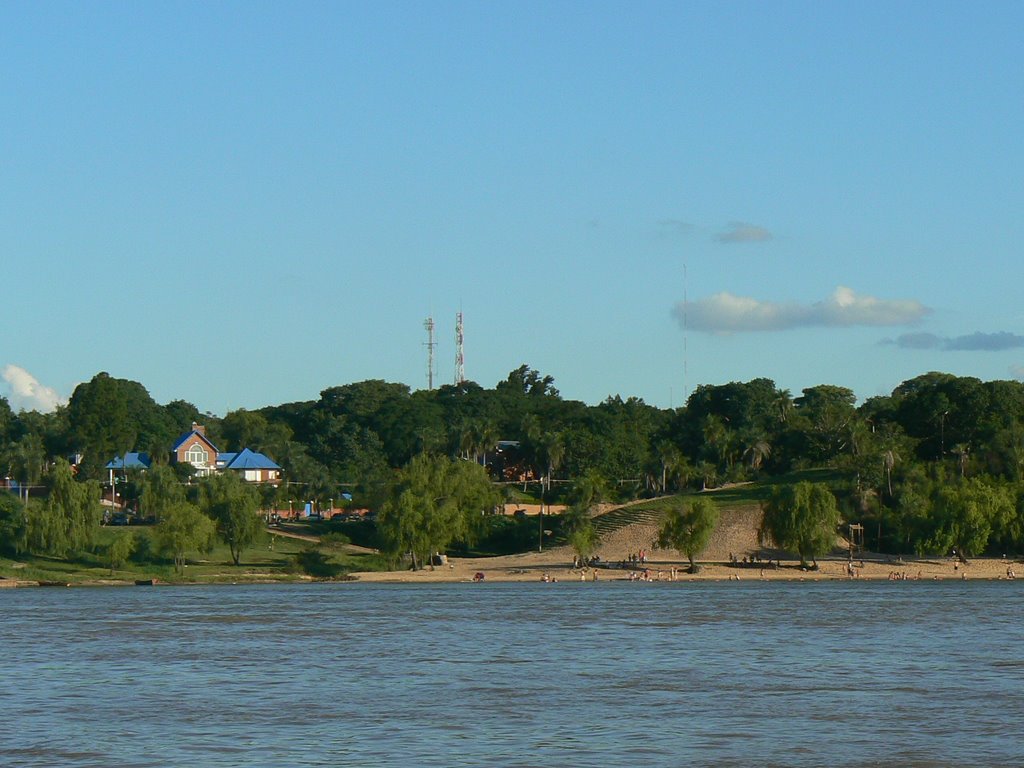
(935, 465)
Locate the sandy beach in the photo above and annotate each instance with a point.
(736, 537)
(557, 564)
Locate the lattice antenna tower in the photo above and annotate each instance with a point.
(430, 344)
(460, 360)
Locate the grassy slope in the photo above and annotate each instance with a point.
(258, 563)
(735, 497)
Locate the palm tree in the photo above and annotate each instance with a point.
(550, 452)
(716, 437)
(484, 438)
(669, 457)
(757, 451)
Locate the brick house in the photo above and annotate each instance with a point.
(195, 448)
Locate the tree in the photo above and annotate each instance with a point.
(580, 531)
(967, 514)
(688, 528)
(233, 505)
(549, 449)
(109, 416)
(28, 459)
(12, 524)
(802, 518)
(433, 502)
(119, 550)
(184, 529)
(825, 413)
(160, 490)
(670, 461)
(68, 520)
(584, 539)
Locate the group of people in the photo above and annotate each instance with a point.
(902, 576)
(633, 559)
(646, 575)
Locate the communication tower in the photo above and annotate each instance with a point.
(430, 344)
(460, 360)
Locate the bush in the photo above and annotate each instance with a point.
(315, 563)
(334, 539)
(143, 551)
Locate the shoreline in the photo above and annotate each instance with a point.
(659, 567)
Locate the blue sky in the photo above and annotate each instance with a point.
(240, 204)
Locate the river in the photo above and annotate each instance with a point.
(566, 674)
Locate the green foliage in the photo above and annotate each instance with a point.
(334, 539)
(142, 547)
(894, 452)
(109, 417)
(119, 550)
(433, 502)
(161, 489)
(234, 505)
(12, 524)
(505, 534)
(315, 563)
(967, 514)
(184, 529)
(69, 518)
(802, 518)
(584, 539)
(688, 527)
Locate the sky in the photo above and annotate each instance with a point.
(242, 204)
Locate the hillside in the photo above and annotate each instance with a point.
(632, 527)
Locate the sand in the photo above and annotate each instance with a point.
(557, 564)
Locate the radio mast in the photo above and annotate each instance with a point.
(460, 360)
(430, 344)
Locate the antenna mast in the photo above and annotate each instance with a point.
(460, 360)
(430, 344)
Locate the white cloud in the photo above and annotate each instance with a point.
(741, 232)
(726, 313)
(27, 394)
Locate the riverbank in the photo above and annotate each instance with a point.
(556, 564)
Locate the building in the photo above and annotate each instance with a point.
(195, 448)
(253, 467)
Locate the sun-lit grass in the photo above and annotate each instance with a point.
(728, 497)
(273, 558)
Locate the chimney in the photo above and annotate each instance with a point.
(199, 428)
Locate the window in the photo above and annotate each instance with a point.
(197, 455)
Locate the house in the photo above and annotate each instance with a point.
(195, 448)
(253, 467)
(131, 460)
